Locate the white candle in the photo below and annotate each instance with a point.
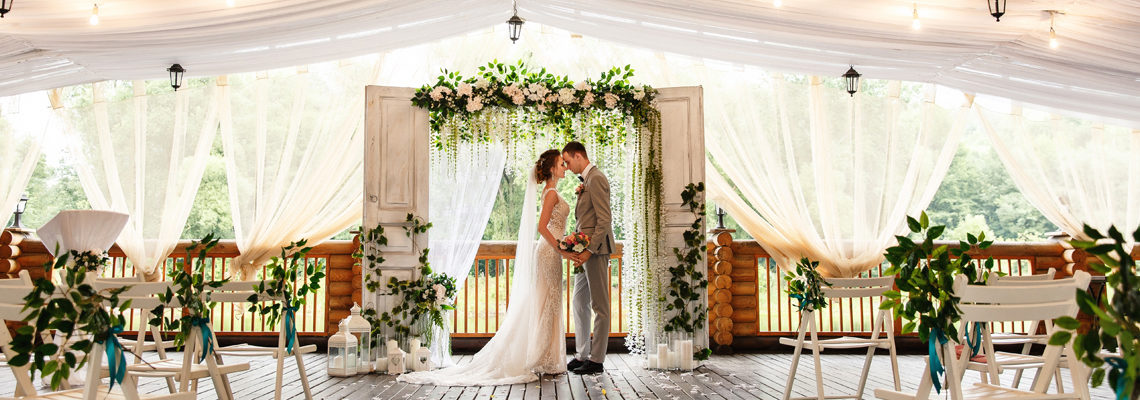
(338, 362)
(686, 354)
(652, 361)
(663, 356)
(382, 364)
(392, 345)
(415, 345)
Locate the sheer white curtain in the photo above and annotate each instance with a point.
(293, 155)
(811, 172)
(23, 124)
(1075, 171)
(144, 155)
(463, 190)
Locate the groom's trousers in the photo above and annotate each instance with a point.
(592, 293)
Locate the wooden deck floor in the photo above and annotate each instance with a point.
(738, 377)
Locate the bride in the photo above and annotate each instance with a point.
(531, 340)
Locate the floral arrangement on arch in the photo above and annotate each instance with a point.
(456, 102)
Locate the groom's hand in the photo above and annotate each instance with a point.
(582, 257)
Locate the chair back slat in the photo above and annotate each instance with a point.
(1042, 301)
(239, 292)
(845, 288)
(1011, 280)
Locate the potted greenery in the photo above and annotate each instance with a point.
(805, 285)
(191, 291)
(1118, 327)
(925, 274)
(78, 314)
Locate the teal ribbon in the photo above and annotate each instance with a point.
(974, 339)
(800, 301)
(936, 370)
(1119, 365)
(203, 323)
(290, 328)
(116, 362)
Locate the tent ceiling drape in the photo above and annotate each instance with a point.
(50, 44)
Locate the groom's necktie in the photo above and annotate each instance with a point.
(580, 178)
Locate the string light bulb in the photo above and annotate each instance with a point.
(915, 23)
(1052, 32)
(777, 3)
(229, 3)
(94, 20)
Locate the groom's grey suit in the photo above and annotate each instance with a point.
(591, 288)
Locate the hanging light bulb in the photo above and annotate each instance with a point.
(94, 20)
(777, 3)
(229, 3)
(1052, 32)
(915, 23)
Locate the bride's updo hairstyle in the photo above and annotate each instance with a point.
(545, 165)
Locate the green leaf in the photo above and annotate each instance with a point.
(1060, 338)
(1067, 322)
(913, 224)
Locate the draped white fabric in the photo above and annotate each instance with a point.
(811, 172)
(292, 145)
(463, 190)
(1074, 171)
(21, 131)
(148, 163)
(82, 230)
(50, 44)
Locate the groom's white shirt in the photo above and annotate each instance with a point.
(589, 166)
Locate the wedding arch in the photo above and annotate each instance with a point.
(437, 154)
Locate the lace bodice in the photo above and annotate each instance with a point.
(558, 216)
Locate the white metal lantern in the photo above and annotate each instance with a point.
(362, 330)
(342, 352)
(423, 359)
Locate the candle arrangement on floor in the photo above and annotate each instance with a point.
(387, 356)
(673, 352)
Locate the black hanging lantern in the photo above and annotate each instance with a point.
(997, 8)
(720, 218)
(515, 24)
(5, 6)
(852, 77)
(176, 72)
(20, 207)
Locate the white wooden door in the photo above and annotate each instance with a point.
(683, 155)
(396, 174)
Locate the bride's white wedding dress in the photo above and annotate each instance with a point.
(531, 340)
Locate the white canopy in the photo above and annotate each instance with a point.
(1095, 70)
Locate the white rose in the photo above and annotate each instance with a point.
(464, 89)
(581, 85)
(578, 248)
(518, 99)
(588, 99)
(553, 97)
(481, 83)
(611, 100)
(436, 93)
(638, 94)
(541, 107)
(475, 104)
(566, 96)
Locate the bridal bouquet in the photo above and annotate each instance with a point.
(577, 242)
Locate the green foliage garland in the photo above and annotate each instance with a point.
(287, 276)
(926, 274)
(1118, 327)
(73, 309)
(191, 290)
(687, 278)
(423, 301)
(806, 286)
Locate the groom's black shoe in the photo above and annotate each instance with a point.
(574, 364)
(589, 368)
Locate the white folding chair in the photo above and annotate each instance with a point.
(1018, 362)
(982, 304)
(143, 295)
(189, 370)
(11, 309)
(238, 293)
(882, 323)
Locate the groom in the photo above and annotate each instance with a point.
(591, 287)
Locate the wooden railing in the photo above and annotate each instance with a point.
(755, 290)
(775, 315)
(484, 296)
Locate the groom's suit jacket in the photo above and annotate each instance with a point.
(595, 217)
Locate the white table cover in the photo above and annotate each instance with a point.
(82, 230)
